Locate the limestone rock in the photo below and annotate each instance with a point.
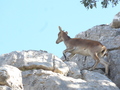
(116, 21)
(5, 88)
(10, 78)
(47, 80)
(74, 70)
(98, 79)
(40, 78)
(32, 59)
(115, 66)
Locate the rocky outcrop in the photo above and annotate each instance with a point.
(116, 21)
(10, 78)
(45, 71)
(47, 80)
(96, 78)
(33, 59)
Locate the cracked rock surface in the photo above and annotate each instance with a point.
(33, 59)
(10, 78)
(47, 80)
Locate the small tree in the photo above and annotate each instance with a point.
(92, 3)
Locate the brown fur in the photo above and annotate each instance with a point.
(84, 47)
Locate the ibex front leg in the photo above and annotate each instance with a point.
(67, 50)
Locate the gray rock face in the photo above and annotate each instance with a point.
(47, 80)
(10, 78)
(32, 59)
(74, 70)
(96, 78)
(115, 66)
(116, 21)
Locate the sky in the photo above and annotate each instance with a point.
(33, 24)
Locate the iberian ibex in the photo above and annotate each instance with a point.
(84, 47)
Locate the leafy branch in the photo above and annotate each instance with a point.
(93, 3)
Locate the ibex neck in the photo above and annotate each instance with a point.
(66, 37)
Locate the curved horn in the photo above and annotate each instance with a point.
(60, 28)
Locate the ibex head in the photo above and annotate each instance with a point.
(60, 35)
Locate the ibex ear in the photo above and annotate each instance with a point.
(60, 28)
(66, 32)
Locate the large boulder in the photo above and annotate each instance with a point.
(116, 21)
(95, 78)
(115, 66)
(74, 70)
(33, 59)
(10, 78)
(47, 80)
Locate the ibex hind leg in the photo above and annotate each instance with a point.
(95, 57)
(71, 56)
(106, 64)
